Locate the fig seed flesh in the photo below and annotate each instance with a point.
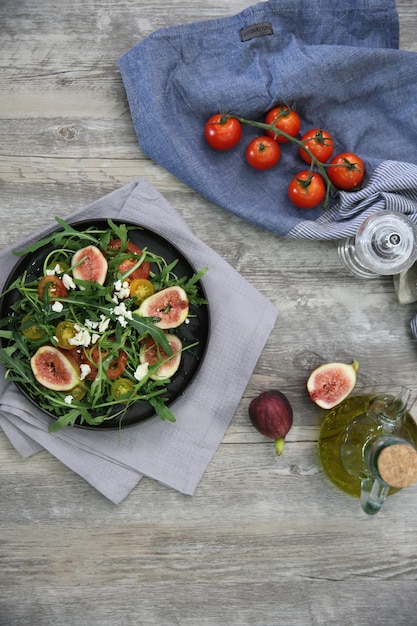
(54, 370)
(151, 353)
(331, 383)
(92, 265)
(171, 305)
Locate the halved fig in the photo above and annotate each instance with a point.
(170, 305)
(331, 383)
(153, 354)
(55, 370)
(92, 265)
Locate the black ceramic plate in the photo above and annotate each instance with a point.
(196, 330)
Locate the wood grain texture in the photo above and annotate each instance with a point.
(265, 541)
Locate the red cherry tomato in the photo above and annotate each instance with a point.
(222, 132)
(285, 119)
(55, 286)
(319, 142)
(263, 153)
(346, 170)
(116, 366)
(306, 190)
(116, 244)
(144, 268)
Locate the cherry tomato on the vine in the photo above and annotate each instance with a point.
(346, 170)
(285, 119)
(222, 132)
(263, 153)
(306, 189)
(319, 142)
(55, 286)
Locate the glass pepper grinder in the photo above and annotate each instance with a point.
(385, 244)
(377, 450)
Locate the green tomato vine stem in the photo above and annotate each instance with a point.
(315, 163)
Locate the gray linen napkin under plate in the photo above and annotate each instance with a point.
(175, 454)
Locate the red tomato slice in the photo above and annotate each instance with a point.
(55, 286)
(144, 268)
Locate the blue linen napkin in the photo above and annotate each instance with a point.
(337, 60)
(177, 454)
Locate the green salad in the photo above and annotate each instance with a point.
(98, 326)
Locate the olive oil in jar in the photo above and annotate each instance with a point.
(331, 437)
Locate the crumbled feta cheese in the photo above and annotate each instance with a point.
(82, 338)
(57, 306)
(90, 324)
(95, 337)
(54, 271)
(141, 371)
(85, 370)
(121, 309)
(68, 399)
(104, 324)
(68, 282)
(122, 290)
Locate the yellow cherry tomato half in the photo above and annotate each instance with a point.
(121, 387)
(78, 392)
(64, 332)
(59, 267)
(140, 289)
(31, 329)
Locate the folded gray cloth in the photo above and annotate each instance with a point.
(175, 454)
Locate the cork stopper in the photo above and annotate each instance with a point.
(397, 465)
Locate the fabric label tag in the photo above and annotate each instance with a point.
(256, 30)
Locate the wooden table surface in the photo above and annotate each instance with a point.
(265, 540)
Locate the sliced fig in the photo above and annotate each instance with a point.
(170, 305)
(90, 265)
(153, 354)
(54, 370)
(272, 415)
(331, 383)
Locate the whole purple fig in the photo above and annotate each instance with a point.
(272, 415)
